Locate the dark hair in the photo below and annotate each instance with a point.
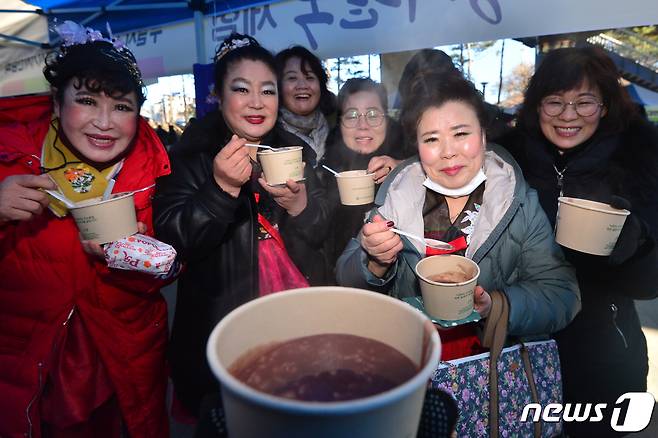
(308, 62)
(434, 90)
(355, 85)
(237, 47)
(426, 61)
(565, 69)
(99, 66)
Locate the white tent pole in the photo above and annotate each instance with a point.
(200, 38)
(21, 11)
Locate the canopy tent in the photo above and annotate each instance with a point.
(135, 21)
(22, 35)
(163, 33)
(125, 15)
(642, 95)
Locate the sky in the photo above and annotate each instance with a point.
(167, 85)
(485, 68)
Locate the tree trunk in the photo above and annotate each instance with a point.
(500, 81)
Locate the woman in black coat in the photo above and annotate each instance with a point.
(239, 237)
(579, 136)
(364, 138)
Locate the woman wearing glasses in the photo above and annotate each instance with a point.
(580, 136)
(475, 197)
(364, 138)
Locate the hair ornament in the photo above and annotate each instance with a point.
(231, 44)
(73, 34)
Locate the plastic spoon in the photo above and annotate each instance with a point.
(338, 173)
(122, 194)
(108, 189)
(262, 146)
(142, 189)
(432, 243)
(330, 170)
(55, 194)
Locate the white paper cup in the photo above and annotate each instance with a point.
(106, 221)
(443, 300)
(355, 187)
(320, 310)
(282, 164)
(588, 226)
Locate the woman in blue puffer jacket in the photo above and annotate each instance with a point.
(471, 194)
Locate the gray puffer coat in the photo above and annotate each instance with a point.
(512, 243)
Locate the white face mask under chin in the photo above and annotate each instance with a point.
(466, 190)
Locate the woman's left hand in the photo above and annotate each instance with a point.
(96, 250)
(381, 166)
(482, 301)
(291, 197)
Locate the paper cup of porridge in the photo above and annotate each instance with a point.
(280, 165)
(106, 221)
(324, 362)
(588, 226)
(447, 283)
(356, 187)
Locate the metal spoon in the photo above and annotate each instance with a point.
(432, 243)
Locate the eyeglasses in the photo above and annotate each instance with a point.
(584, 107)
(374, 118)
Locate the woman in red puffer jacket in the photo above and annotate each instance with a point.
(82, 346)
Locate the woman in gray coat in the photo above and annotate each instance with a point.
(461, 191)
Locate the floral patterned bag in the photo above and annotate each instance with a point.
(525, 373)
(467, 379)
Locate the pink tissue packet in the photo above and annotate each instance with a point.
(140, 253)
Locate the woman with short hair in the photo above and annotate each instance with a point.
(82, 345)
(472, 194)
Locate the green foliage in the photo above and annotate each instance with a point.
(641, 42)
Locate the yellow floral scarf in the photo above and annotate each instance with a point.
(76, 180)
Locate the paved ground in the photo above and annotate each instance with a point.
(648, 311)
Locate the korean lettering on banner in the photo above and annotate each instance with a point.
(318, 17)
(246, 21)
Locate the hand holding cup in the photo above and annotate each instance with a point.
(20, 197)
(232, 166)
(380, 166)
(96, 250)
(481, 301)
(291, 197)
(633, 236)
